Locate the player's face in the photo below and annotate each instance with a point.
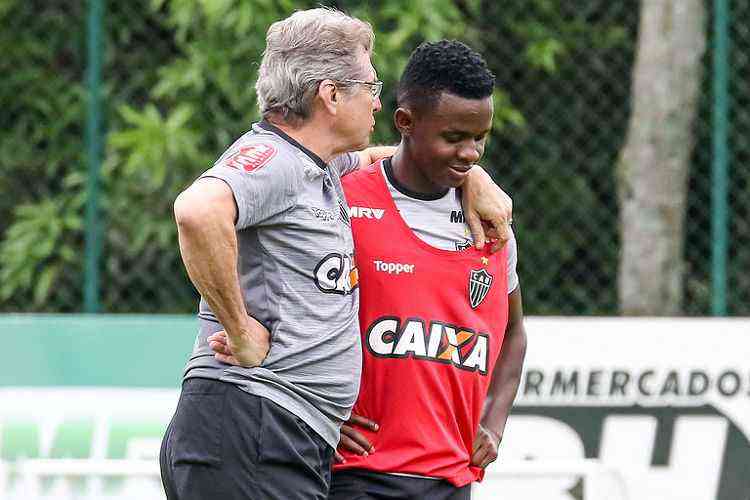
(448, 139)
(359, 107)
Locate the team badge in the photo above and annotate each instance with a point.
(480, 282)
(252, 157)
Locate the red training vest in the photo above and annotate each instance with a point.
(432, 323)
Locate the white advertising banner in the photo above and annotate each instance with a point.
(663, 402)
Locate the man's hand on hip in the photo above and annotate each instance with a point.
(248, 347)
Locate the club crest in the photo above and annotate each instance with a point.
(252, 157)
(480, 282)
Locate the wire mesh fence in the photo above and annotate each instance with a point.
(739, 279)
(178, 88)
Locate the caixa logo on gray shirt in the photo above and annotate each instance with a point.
(336, 273)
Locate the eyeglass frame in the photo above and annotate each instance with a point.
(376, 87)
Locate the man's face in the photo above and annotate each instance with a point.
(446, 140)
(357, 120)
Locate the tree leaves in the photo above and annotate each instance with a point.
(179, 88)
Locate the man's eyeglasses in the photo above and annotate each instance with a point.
(375, 87)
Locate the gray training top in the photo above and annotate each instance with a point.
(297, 277)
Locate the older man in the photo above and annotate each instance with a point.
(266, 239)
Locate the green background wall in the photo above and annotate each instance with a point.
(101, 350)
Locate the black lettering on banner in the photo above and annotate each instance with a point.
(642, 382)
(620, 379)
(534, 379)
(622, 383)
(734, 376)
(592, 388)
(559, 384)
(698, 383)
(671, 385)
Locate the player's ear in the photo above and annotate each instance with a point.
(329, 95)
(403, 119)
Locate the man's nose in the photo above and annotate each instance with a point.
(469, 153)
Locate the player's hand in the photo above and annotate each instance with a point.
(486, 444)
(247, 348)
(353, 440)
(488, 210)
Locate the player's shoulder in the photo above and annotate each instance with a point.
(365, 175)
(509, 251)
(512, 244)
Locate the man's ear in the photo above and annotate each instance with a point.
(329, 96)
(403, 119)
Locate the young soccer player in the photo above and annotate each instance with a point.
(441, 322)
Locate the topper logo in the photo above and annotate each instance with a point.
(394, 267)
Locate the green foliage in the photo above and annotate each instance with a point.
(179, 88)
(564, 67)
(41, 96)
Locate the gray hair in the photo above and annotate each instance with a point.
(302, 50)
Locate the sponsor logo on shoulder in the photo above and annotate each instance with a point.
(457, 216)
(366, 213)
(252, 157)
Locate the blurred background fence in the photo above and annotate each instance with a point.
(109, 109)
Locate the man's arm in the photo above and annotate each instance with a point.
(205, 214)
(351, 162)
(374, 153)
(503, 386)
(484, 201)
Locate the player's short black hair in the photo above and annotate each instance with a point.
(444, 66)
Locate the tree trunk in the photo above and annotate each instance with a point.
(653, 165)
